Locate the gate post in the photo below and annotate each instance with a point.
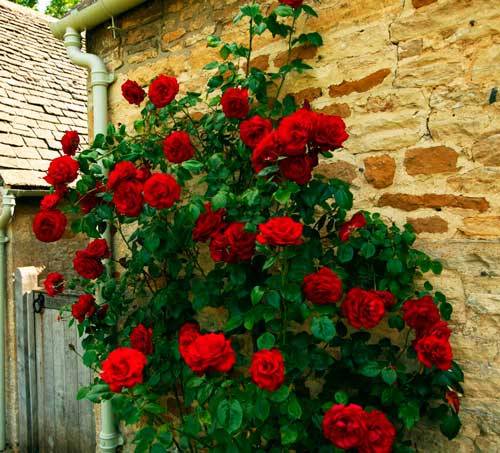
(26, 280)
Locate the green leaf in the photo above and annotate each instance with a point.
(409, 413)
(389, 375)
(394, 266)
(450, 426)
(370, 369)
(283, 11)
(289, 434)
(294, 408)
(266, 341)
(308, 10)
(280, 395)
(446, 309)
(323, 328)
(262, 408)
(396, 322)
(82, 393)
(367, 250)
(273, 298)
(436, 267)
(193, 166)
(256, 295)
(345, 253)
(341, 397)
(230, 415)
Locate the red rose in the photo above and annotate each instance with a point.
(177, 147)
(210, 352)
(208, 223)
(253, 130)
(50, 201)
(69, 142)
(98, 248)
(322, 287)
(54, 284)
(436, 351)
(268, 369)
(363, 308)
(132, 92)
(292, 3)
(187, 334)
(163, 90)
(388, 298)
(380, 433)
(344, 426)
(143, 173)
(235, 103)
(62, 170)
(420, 314)
(280, 231)
(128, 199)
(123, 171)
(358, 221)
(453, 400)
(266, 152)
(161, 191)
(87, 266)
(123, 368)
(141, 339)
(298, 169)
(295, 131)
(233, 244)
(329, 132)
(84, 307)
(49, 226)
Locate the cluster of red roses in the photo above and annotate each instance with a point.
(49, 224)
(349, 427)
(124, 366)
(86, 307)
(88, 262)
(214, 352)
(432, 334)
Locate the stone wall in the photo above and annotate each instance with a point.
(413, 80)
(23, 249)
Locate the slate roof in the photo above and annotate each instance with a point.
(42, 95)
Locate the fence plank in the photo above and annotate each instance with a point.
(60, 370)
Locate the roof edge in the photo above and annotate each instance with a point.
(26, 10)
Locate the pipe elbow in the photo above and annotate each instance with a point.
(8, 205)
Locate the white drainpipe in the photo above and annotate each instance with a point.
(70, 28)
(8, 204)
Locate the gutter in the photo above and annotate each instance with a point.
(69, 28)
(8, 204)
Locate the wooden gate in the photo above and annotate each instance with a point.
(50, 373)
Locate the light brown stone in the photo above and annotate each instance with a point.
(481, 226)
(408, 202)
(339, 169)
(410, 48)
(487, 150)
(361, 85)
(380, 170)
(341, 109)
(480, 180)
(434, 224)
(261, 62)
(171, 36)
(139, 35)
(426, 161)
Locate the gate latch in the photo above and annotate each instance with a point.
(39, 303)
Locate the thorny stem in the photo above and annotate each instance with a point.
(250, 47)
(288, 56)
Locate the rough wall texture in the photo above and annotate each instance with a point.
(23, 249)
(412, 78)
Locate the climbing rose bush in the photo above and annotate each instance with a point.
(246, 307)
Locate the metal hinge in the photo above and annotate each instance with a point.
(39, 303)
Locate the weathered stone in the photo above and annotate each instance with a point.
(303, 52)
(171, 36)
(426, 161)
(487, 150)
(480, 180)
(380, 170)
(261, 62)
(140, 34)
(408, 202)
(342, 110)
(339, 169)
(420, 3)
(434, 224)
(483, 226)
(361, 85)
(410, 48)
(307, 94)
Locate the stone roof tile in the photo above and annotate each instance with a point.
(42, 94)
